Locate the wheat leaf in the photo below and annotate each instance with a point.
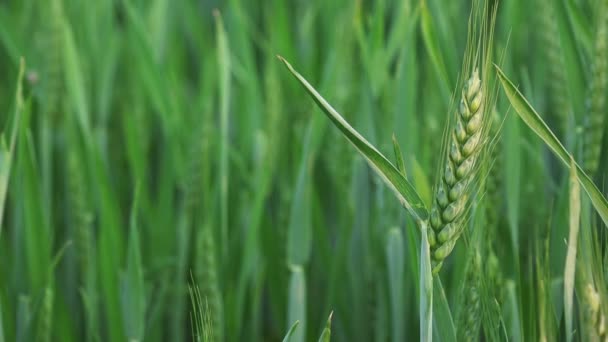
(404, 191)
(291, 331)
(536, 123)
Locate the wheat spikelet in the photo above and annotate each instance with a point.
(454, 188)
(596, 115)
(469, 319)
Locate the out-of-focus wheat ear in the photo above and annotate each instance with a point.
(80, 215)
(493, 201)
(50, 43)
(559, 103)
(594, 316)
(469, 318)
(596, 115)
(207, 278)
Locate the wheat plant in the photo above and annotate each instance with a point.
(164, 177)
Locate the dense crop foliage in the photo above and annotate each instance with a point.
(164, 177)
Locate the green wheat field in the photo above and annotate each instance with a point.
(303, 170)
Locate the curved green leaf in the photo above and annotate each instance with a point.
(404, 191)
(291, 331)
(326, 334)
(536, 123)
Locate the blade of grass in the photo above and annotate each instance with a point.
(299, 231)
(297, 302)
(326, 334)
(24, 319)
(6, 153)
(395, 257)
(443, 323)
(1, 325)
(223, 58)
(291, 331)
(430, 42)
(133, 300)
(536, 123)
(404, 191)
(75, 81)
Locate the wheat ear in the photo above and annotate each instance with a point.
(469, 319)
(558, 92)
(209, 282)
(596, 116)
(454, 186)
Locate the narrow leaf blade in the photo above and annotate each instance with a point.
(404, 191)
(287, 337)
(326, 334)
(536, 123)
(297, 302)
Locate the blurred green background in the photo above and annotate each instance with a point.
(162, 146)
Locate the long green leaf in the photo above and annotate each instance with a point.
(536, 123)
(297, 302)
(431, 43)
(75, 82)
(133, 292)
(6, 152)
(395, 261)
(443, 322)
(224, 91)
(404, 191)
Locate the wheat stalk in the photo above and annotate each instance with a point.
(454, 186)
